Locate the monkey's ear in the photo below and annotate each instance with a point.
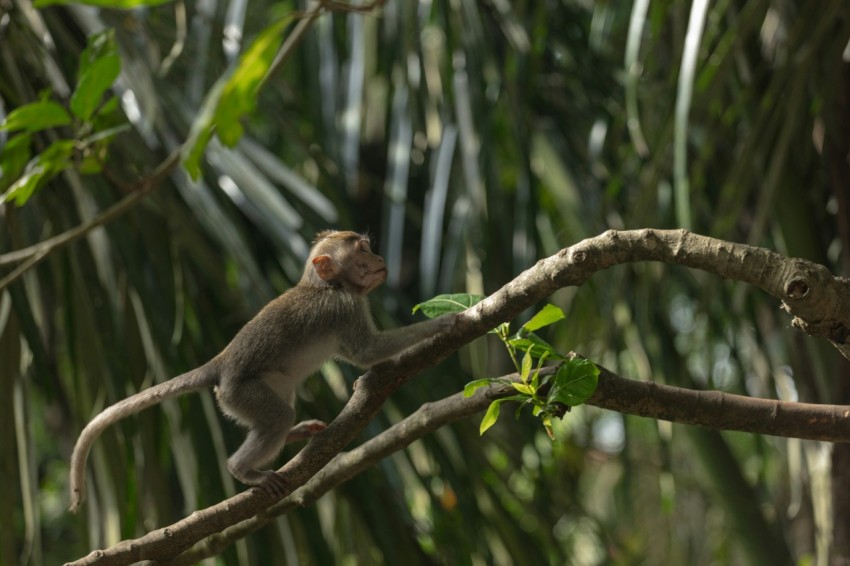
(325, 267)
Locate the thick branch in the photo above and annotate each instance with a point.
(818, 300)
(722, 411)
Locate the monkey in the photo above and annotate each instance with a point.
(325, 315)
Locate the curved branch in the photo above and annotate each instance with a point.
(818, 300)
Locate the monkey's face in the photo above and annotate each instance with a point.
(366, 269)
(346, 259)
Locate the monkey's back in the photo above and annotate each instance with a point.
(294, 333)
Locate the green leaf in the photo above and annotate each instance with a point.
(525, 370)
(490, 417)
(535, 346)
(535, 379)
(240, 93)
(470, 388)
(100, 65)
(118, 4)
(233, 96)
(35, 117)
(39, 170)
(13, 159)
(448, 304)
(574, 383)
(549, 314)
(201, 133)
(523, 388)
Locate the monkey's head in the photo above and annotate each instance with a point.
(346, 260)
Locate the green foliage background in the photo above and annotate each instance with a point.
(470, 138)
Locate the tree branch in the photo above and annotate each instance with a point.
(428, 418)
(715, 410)
(819, 302)
(718, 410)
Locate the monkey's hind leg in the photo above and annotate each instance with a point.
(265, 447)
(269, 419)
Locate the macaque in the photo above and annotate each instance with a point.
(326, 315)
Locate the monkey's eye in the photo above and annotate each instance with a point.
(364, 246)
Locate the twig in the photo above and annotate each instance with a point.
(33, 255)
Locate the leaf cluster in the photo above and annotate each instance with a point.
(92, 114)
(551, 394)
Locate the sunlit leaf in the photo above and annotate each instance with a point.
(535, 378)
(239, 96)
(536, 346)
(36, 116)
(470, 388)
(491, 416)
(549, 314)
(523, 388)
(574, 382)
(233, 96)
(525, 369)
(447, 304)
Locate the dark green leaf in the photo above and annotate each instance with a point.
(13, 159)
(99, 67)
(547, 315)
(40, 169)
(447, 304)
(574, 382)
(36, 116)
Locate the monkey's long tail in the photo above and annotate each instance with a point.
(199, 378)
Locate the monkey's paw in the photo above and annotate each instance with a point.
(275, 484)
(305, 429)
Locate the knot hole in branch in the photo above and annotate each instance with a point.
(797, 289)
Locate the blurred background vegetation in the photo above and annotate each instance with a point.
(470, 138)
